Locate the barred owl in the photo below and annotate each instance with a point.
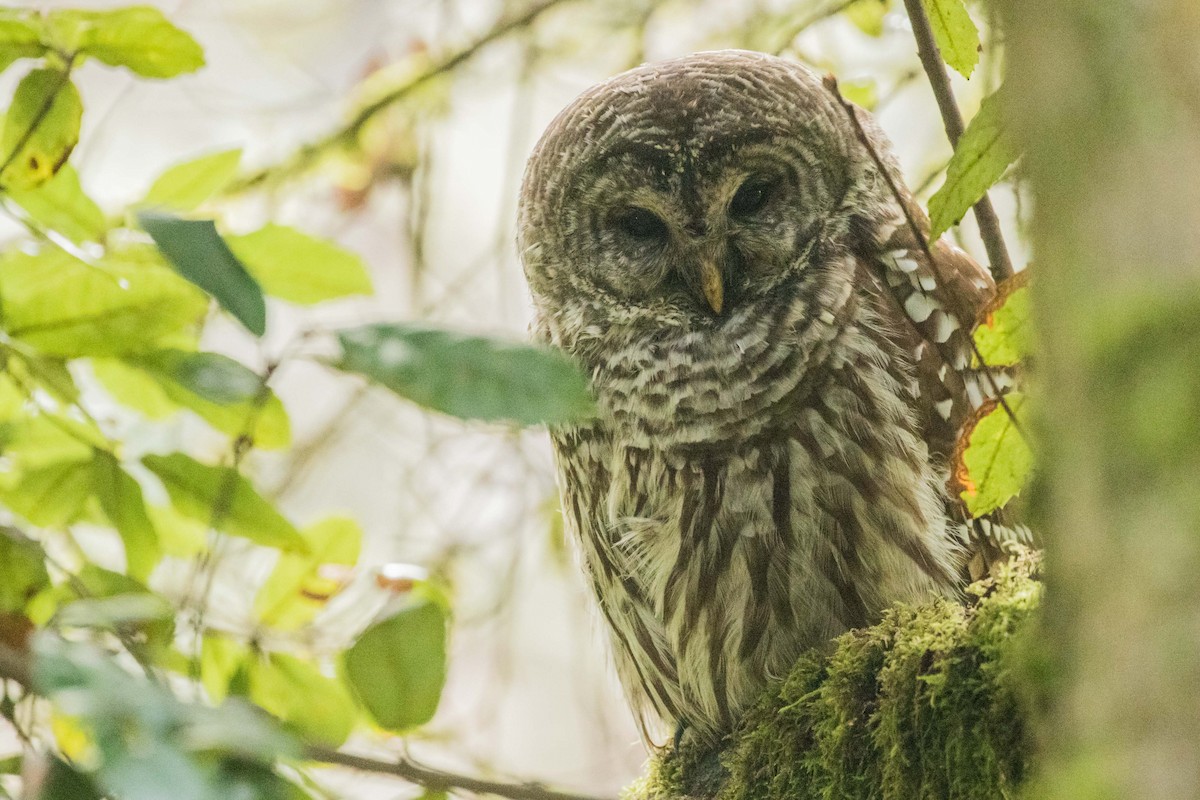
(781, 367)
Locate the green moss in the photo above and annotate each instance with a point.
(922, 706)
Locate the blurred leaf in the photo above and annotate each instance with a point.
(185, 186)
(21, 36)
(179, 535)
(221, 658)
(862, 92)
(997, 459)
(117, 611)
(867, 16)
(132, 387)
(1004, 335)
(51, 374)
(206, 492)
(203, 257)
(22, 570)
(139, 38)
(209, 376)
(132, 604)
(40, 129)
(51, 496)
(469, 377)
(149, 745)
(299, 268)
(316, 707)
(983, 154)
(216, 388)
(955, 34)
(296, 591)
(47, 777)
(61, 205)
(72, 739)
(121, 498)
(127, 302)
(47, 439)
(398, 665)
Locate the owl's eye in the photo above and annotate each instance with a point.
(750, 197)
(641, 224)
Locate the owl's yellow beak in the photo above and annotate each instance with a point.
(712, 284)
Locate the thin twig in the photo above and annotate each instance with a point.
(438, 780)
(309, 154)
(931, 59)
(832, 85)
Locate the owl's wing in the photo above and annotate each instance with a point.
(929, 299)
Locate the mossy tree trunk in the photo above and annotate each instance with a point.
(1107, 100)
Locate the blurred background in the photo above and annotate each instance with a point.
(426, 193)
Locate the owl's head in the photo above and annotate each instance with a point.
(688, 190)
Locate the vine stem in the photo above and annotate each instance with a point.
(1000, 264)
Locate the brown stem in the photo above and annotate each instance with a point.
(931, 59)
(438, 780)
(309, 154)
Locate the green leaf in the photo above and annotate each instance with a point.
(983, 153)
(138, 38)
(51, 496)
(132, 387)
(868, 17)
(469, 377)
(211, 376)
(1004, 336)
(40, 129)
(296, 590)
(61, 205)
(50, 374)
(316, 707)
(121, 499)
(955, 34)
(221, 660)
(185, 186)
(222, 392)
(22, 570)
(998, 460)
(21, 36)
(206, 493)
(203, 257)
(863, 92)
(299, 268)
(127, 301)
(398, 665)
(181, 536)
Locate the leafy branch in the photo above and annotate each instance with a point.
(1000, 264)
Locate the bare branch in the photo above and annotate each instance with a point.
(931, 59)
(437, 779)
(308, 155)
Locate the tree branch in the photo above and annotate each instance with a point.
(438, 780)
(304, 158)
(931, 59)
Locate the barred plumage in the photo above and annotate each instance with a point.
(780, 366)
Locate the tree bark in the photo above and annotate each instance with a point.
(1107, 102)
